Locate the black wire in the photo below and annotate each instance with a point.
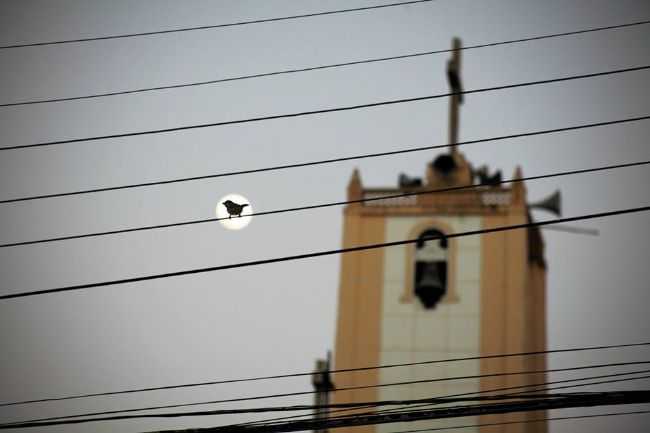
(325, 110)
(274, 421)
(329, 413)
(434, 400)
(338, 203)
(342, 370)
(590, 400)
(523, 422)
(322, 67)
(493, 424)
(215, 26)
(331, 160)
(112, 412)
(430, 405)
(316, 254)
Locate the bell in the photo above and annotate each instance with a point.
(430, 288)
(431, 279)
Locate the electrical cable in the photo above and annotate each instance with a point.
(447, 379)
(327, 161)
(503, 423)
(453, 411)
(434, 400)
(336, 371)
(71, 419)
(522, 422)
(273, 421)
(325, 110)
(215, 26)
(593, 400)
(341, 203)
(538, 387)
(316, 254)
(323, 67)
(332, 160)
(546, 389)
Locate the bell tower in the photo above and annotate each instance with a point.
(447, 298)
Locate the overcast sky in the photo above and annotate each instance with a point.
(279, 318)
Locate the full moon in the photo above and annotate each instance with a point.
(234, 222)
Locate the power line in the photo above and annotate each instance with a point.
(329, 161)
(316, 254)
(606, 398)
(215, 26)
(539, 387)
(428, 405)
(398, 410)
(524, 421)
(342, 370)
(324, 110)
(509, 422)
(530, 421)
(322, 67)
(406, 410)
(339, 203)
(380, 403)
(171, 406)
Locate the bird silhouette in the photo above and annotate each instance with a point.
(234, 208)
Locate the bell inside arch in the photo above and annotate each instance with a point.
(430, 285)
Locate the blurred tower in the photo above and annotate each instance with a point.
(461, 297)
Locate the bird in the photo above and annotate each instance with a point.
(234, 208)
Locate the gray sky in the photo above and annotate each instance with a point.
(278, 318)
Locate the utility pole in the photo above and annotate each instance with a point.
(455, 86)
(323, 385)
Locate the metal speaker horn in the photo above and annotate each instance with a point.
(552, 203)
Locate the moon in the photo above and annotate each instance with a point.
(235, 222)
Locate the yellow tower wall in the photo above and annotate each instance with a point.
(495, 303)
(360, 300)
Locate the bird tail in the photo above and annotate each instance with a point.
(244, 205)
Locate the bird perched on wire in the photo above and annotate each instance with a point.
(234, 208)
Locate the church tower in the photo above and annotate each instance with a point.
(462, 297)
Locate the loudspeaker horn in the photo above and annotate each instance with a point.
(552, 203)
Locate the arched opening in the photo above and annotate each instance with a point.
(430, 276)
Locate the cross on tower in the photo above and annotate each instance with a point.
(456, 86)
